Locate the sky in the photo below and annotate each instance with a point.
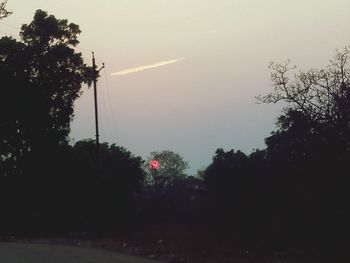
(182, 75)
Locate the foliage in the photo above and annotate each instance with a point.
(316, 93)
(229, 179)
(321, 97)
(42, 76)
(171, 167)
(3, 11)
(169, 195)
(314, 130)
(113, 188)
(71, 197)
(295, 192)
(116, 162)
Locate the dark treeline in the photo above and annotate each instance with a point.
(65, 195)
(292, 195)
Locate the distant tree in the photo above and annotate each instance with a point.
(200, 173)
(320, 97)
(41, 77)
(3, 11)
(169, 194)
(171, 167)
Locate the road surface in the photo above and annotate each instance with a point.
(38, 253)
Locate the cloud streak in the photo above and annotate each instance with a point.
(145, 67)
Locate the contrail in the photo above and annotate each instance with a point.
(144, 67)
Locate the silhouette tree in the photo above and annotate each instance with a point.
(171, 167)
(316, 120)
(3, 11)
(311, 149)
(237, 191)
(73, 198)
(169, 195)
(111, 206)
(321, 96)
(42, 76)
(225, 179)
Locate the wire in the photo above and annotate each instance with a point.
(8, 25)
(105, 111)
(84, 49)
(7, 33)
(110, 105)
(102, 131)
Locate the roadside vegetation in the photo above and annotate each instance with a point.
(289, 200)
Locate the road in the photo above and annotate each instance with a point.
(38, 253)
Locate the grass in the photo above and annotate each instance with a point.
(37, 253)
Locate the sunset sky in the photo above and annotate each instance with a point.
(181, 75)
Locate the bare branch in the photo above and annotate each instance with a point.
(319, 94)
(3, 11)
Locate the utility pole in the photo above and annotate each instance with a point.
(95, 72)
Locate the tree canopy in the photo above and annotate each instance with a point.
(294, 193)
(42, 76)
(171, 167)
(316, 120)
(321, 96)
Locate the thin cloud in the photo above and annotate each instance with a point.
(145, 67)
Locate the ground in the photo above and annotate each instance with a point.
(150, 246)
(48, 253)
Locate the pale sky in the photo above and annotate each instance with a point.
(205, 99)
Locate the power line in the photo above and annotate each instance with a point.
(84, 49)
(110, 105)
(7, 33)
(105, 109)
(102, 132)
(8, 25)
